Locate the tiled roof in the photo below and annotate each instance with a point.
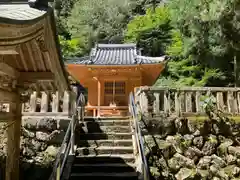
(19, 11)
(115, 54)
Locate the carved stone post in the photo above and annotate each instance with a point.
(156, 105)
(144, 103)
(55, 102)
(177, 103)
(44, 102)
(33, 101)
(66, 102)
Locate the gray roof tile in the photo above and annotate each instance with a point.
(115, 54)
(21, 12)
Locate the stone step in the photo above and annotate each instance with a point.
(91, 122)
(104, 158)
(122, 175)
(103, 167)
(103, 136)
(107, 142)
(109, 118)
(106, 129)
(104, 150)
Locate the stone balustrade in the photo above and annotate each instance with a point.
(47, 104)
(186, 100)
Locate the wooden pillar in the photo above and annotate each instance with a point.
(13, 143)
(99, 98)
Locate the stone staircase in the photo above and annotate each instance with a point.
(104, 149)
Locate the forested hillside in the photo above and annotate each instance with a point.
(201, 36)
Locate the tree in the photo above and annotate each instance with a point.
(181, 69)
(151, 31)
(62, 10)
(209, 29)
(139, 7)
(72, 48)
(100, 21)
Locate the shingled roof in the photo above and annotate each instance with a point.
(115, 54)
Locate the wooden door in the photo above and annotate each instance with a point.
(115, 93)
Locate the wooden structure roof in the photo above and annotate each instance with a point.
(29, 46)
(115, 54)
(30, 58)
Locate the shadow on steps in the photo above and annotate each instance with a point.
(103, 151)
(103, 167)
(88, 130)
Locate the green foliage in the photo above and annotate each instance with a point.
(139, 7)
(72, 48)
(62, 10)
(201, 36)
(99, 21)
(151, 31)
(182, 70)
(209, 31)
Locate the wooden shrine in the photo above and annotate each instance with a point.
(110, 73)
(30, 60)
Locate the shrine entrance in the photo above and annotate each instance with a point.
(115, 93)
(110, 73)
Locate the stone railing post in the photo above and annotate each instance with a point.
(44, 102)
(144, 103)
(177, 103)
(188, 101)
(55, 102)
(166, 101)
(33, 101)
(156, 103)
(66, 102)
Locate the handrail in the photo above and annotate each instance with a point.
(68, 143)
(138, 137)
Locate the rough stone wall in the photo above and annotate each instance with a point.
(182, 149)
(40, 141)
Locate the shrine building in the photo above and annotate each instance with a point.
(110, 73)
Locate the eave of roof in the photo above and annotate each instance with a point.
(115, 55)
(141, 60)
(41, 13)
(21, 13)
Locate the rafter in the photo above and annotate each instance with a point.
(29, 49)
(22, 58)
(40, 56)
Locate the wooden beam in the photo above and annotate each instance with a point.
(13, 142)
(99, 98)
(8, 52)
(36, 76)
(8, 70)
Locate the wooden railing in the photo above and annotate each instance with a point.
(47, 104)
(187, 100)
